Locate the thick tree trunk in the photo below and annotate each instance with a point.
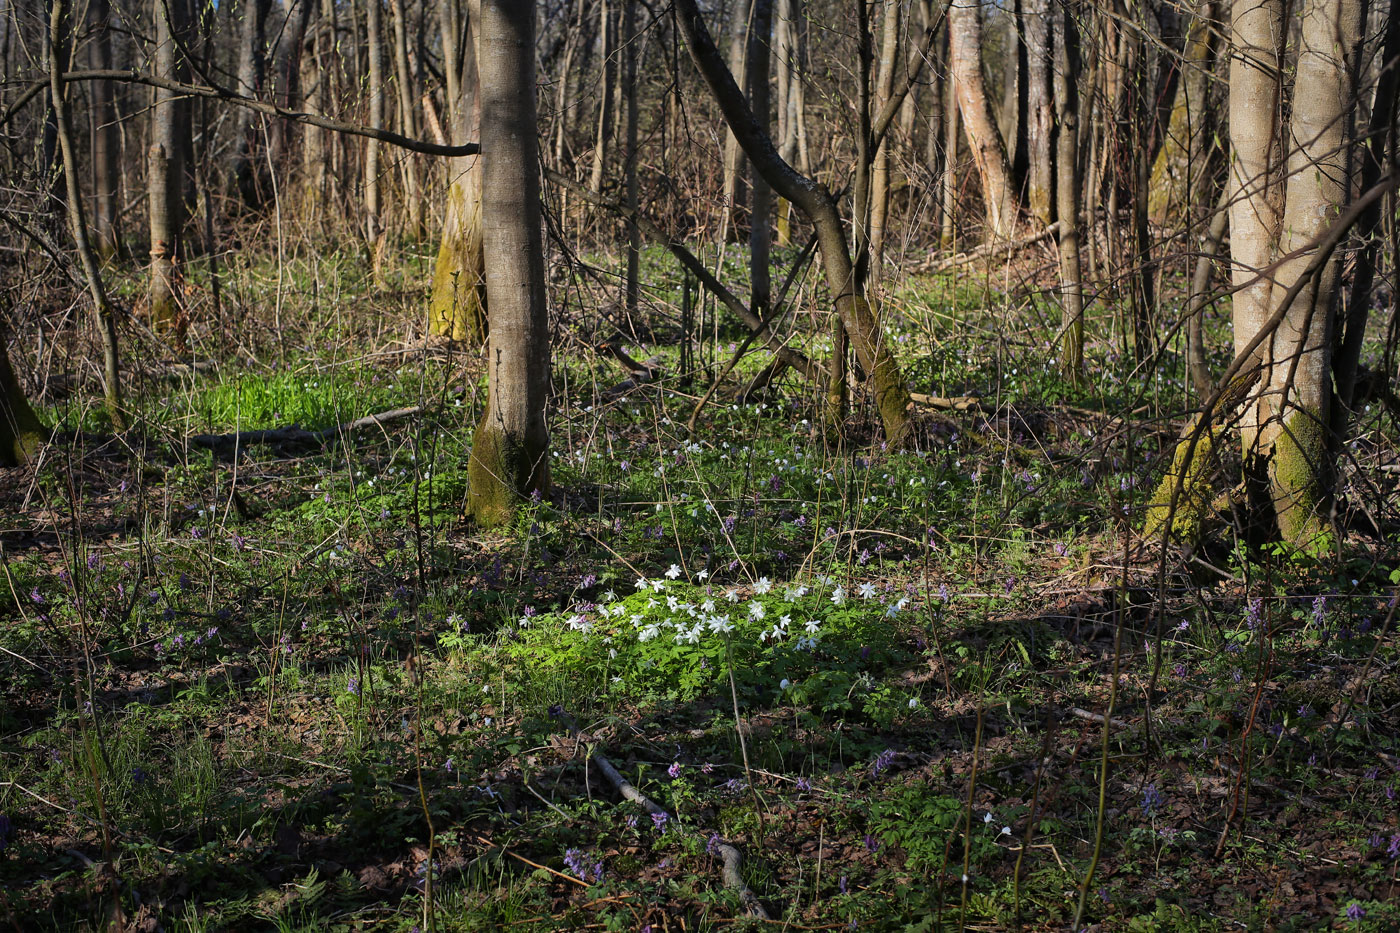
(106, 141)
(891, 394)
(1256, 190)
(1297, 399)
(164, 177)
(510, 449)
(988, 149)
(1066, 77)
(457, 308)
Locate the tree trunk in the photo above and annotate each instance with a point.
(374, 222)
(457, 308)
(106, 141)
(988, 150)
(1040, 177)
(630, 92)
(607, 35)
(934, 142)
(880, 171)
(1256, 191)
(408, 95)
(1297, 399)
(892, 399)
(510, 449)
(952, 140)
(164, 178)
(733, 195)
(1067, 74)
(756, 67)
(59, 24)
(249, 172)
(21, 431)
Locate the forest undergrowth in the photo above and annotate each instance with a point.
(278, 683)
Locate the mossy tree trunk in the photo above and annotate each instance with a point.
(457, 306)
(21, 432)
(510, 449)
(1296, 403)
(1288, 186)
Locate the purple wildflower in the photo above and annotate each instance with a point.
(883, 761)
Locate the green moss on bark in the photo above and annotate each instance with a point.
(501, 473)
(21, 431)
(1193, 501)
(1299, 478)
(457, 307)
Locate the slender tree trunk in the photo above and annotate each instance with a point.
(785, 50)
(988, 150)
(249, 171)
(733, 195)
(934, 142)
(1040, 177)
(1066, 88)
(457, 308)
(164, 178)
(607, 34)
(629, 75)
(374, 221)
(890, 33)
(408, 94)
(756, 70)
(106, 143)
(59, 25)
(510, 449)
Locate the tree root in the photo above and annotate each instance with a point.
(729, 855)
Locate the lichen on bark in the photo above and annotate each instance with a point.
(457, 308)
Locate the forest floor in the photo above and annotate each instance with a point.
(943, 687)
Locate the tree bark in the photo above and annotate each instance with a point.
(457, 308)
(510, 449)
(102, 306)
(249, 174)
(407, 85)
(607, 35)
(164, 178)
(374, 221)
(632, 38)
(21, 431)
(1298, 395)
(988, 149)
(890, 32)
(106, 141)
(756, 68)
(733, 195)
(1040, 176)
(1067, 74)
